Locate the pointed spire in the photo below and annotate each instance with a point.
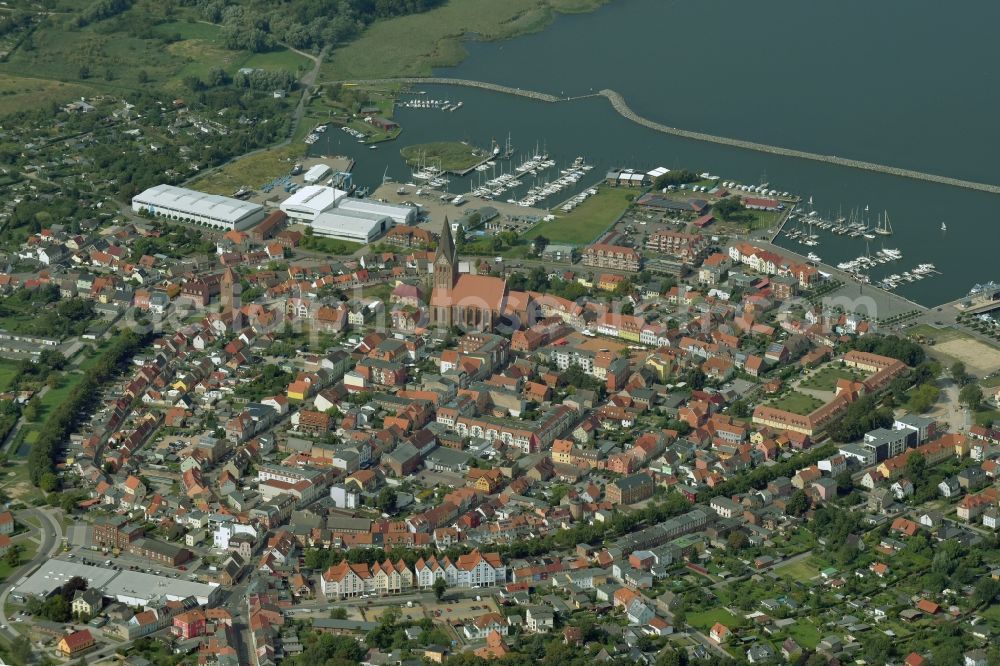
(447, 243)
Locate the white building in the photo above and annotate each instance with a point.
(306, 203)
(400, 214)
(343, 497)
(317, 173)
(184, 205)
(226, 531)
(355, 227)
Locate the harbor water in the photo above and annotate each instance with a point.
(850, 78)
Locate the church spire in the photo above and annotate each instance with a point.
(447, 243)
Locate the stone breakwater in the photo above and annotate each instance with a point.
(621, 106)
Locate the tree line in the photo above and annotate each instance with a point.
(60, 423)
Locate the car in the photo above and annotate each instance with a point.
(182, 568)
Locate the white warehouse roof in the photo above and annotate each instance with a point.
(657, 172)
(309, 201)
(183, 200)
(399, 213)
(132, 587)
(315, 173)
(354, 226)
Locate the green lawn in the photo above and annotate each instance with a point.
(805, 633)
(802, 570)
(797, 403)
(934, 334)
(413, 45)
(826, 378)
(278, 59)
(8, 372)
(56, 397)
(987, 417)
(447, 155)
(704, 620)
(253, 170)
(588, 220)
(20, 92)
(67, 63)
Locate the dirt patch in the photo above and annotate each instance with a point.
(980, 358)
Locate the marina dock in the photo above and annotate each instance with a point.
(621, 106)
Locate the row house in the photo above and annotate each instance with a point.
(617, 257)
(690, 248)
(474, 569)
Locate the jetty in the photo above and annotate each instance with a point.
(621, 106)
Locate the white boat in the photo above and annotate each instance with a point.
(883, 227)
(812, 256)
(944, 227)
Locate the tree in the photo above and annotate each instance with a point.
(84, 72)
(958, 372)
(879, 649)
(49, 482)
(13, 557)
(339, 613)
(798, 503)
(916, 465)
(21, 651)
(142, 76)
(923, 397)
(439, 587)
(971, 396)
(539, 244)
(986, 591)
(386, 501)
(741, 409)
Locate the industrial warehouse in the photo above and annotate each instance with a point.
(187, 205)
(133, 588)
(331, 212)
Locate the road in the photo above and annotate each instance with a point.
(49, 544)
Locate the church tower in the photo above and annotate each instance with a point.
(230, 290)
(445, 266)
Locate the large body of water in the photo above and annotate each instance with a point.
(901, 82)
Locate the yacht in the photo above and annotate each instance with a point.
(944, 227)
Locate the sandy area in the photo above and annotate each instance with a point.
(981, 359)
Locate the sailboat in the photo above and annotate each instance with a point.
(944, 227)
(884, 228)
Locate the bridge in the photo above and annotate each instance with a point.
(621, 106)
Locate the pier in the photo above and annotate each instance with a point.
(621, 106)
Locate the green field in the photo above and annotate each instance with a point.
(66, 63)
(446, 155)
(57, 396)
(253, 170)
(805, 633)
(801, 570)
(797, 403)
(8, 371)
(413, 45)
(935, 334)
(20, 92)
(588, 220)
(704, 620)
(826, 378)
